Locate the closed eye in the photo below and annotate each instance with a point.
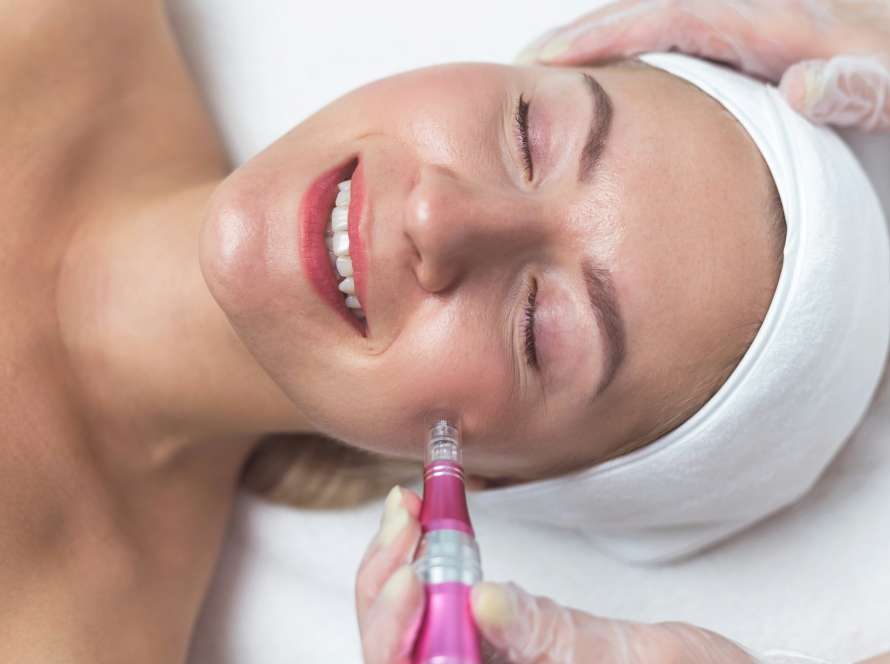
(520, 117)
(531, 352)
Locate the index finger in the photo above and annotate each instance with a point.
(759, 40)
(392, 547)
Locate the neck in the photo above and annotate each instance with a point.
(154, 358)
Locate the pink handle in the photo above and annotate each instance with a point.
(444, 498)
(447, 632)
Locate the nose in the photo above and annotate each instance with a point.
(458, 226)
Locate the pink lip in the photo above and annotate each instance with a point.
(315, 211)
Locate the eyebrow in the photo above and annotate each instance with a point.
(599, 128)
(604, 303)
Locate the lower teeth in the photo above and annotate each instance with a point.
(355, 310)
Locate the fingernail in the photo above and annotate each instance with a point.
(492, 605)
(393, 501)
(554, 48)
(396, 587)
(814, 84)
(529, 54)
(395, 517)
(792, 88)
(803, 86)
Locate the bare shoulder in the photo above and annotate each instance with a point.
(102, 83)
(49, 492)
(42, 39)
(71, 567)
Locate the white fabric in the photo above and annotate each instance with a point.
(768, 433)
(814, 578)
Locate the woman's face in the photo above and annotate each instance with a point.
(632, 236)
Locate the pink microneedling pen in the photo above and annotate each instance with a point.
(447, 558)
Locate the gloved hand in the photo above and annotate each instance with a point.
(388, 595)
(537, 630)
(830, 57)
(518, 627)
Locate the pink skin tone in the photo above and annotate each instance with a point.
(453, 230)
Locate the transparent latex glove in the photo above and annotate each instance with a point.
(516, 627)
(830, 57)
(525, 629)
(388, 595)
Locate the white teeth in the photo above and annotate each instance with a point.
(347, 286)
(339, 219)
(344, 266)
(341, 243)
(337, 241)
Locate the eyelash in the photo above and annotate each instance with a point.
(521, 118)
(531, 353)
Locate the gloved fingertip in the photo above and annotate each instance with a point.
(792, 87)
(395, 617)
(398, 587)
(531, 51)
(554, 49)
(803, 86)
(493, 606)
(527, 56)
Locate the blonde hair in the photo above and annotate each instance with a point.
(318, 472)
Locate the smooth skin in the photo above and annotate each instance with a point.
(139, 378)
(110, 527)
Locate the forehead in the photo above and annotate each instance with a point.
(695, 258)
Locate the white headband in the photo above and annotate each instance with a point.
(768, 433)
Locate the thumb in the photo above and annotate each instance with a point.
(847, 91)
(537, 630)
(524, 628)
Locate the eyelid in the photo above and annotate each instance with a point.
(528, 328)
(520, 120)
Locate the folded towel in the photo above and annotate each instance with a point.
(769, 432)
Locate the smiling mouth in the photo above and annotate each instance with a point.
(323, 207)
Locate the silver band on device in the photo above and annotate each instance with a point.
(448, 556)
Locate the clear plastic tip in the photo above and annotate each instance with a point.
(443, 443)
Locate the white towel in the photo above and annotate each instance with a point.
(769, 432)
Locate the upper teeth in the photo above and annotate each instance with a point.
(337, 241)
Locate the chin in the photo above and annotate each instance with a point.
(240, 262)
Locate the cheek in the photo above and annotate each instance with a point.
(565, 342)
(442, 365)
(458, 367)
